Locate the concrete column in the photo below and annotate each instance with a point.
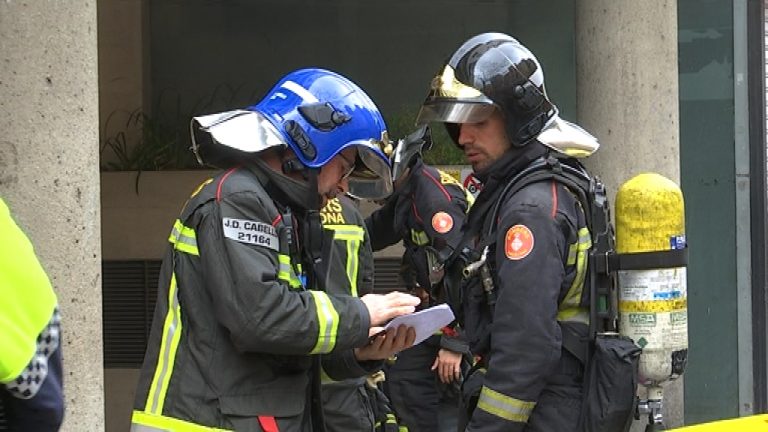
(49, 174)
(627, 81)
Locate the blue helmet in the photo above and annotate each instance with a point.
(317, 113)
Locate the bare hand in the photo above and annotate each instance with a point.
(383, 308)
(448, 365)
(385, 345)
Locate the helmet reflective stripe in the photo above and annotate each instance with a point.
(299, 91)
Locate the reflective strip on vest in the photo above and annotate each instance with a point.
(145, 422)
(184, 239)
(328, 320)
(570, 309)
(167, 355)
(419, 238)
(506, 407)
(285, 271)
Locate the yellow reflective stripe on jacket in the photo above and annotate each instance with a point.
(391, 419)
(353, 235)
(419, 238)
(328, 320)
(503, 406)
(569, 309)
(285, 271)
(346, 232)
(145, 422)
(184, 238)
(167, 355)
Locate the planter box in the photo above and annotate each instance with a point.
(135, 226)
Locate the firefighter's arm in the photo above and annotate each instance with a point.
(525, 338)
(344, 365)
(252, 296)
(442, 209)
(380, 226)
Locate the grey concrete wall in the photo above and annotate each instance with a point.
(627, 96)
(49, 174)
(119, 390)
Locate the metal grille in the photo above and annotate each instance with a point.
(386, 275)
(130, 294)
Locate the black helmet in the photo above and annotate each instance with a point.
(489, 71)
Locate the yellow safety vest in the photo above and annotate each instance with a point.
(27, 300)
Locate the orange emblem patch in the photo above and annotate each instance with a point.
(518, 242)
(442, 222)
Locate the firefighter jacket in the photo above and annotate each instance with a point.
(538, 246)
(234, 328)
(347, 270)
(31, 397)
(426, 214)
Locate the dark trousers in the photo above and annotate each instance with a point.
(421, 402)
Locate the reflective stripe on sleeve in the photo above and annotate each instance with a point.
(503, 406)
(145, 422)
(184, 239)
(328, 323)
(168, 345)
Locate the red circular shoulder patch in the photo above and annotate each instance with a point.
(518, 242)
(442, 222)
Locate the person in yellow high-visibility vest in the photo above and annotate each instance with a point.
(31, 396)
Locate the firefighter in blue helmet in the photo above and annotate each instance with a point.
(519, 279)
(241, 311)
(426, 213)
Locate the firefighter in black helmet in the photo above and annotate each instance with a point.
(519, 280)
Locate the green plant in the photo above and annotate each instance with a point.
(443, 151)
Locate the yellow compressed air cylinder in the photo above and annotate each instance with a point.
(653, 303)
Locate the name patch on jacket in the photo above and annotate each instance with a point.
(251, 232)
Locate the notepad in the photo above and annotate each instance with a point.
(426, 322)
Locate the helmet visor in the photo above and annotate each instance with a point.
(454, 111)
(372, 177)
(246, 131)
(451, 101)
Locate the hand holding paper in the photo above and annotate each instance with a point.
(426, 322)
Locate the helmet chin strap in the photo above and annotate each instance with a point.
(312, 227)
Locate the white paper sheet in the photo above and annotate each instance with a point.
(426, 322)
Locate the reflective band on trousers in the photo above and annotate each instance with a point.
(328, 320)
(569, 308)
(503, 406)
(184, 239)
(144, 422)
(167, 355)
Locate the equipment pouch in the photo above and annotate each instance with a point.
(610, 385)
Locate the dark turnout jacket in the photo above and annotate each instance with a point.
(234, 328)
